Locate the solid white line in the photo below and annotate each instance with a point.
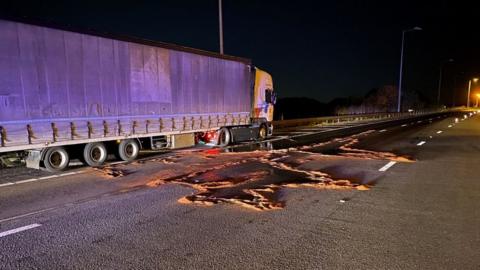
(421, 143)
(27, 180)
(438, 132)
(49, 177)
(27, 214)
(21, 229)
(116, 162)
(387, 166)
(67, 174)
(7, 184)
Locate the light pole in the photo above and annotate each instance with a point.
(399, 103)
(469, 88)
(440, 78)
(220, 25)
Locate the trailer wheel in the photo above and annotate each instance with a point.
(128, 150)
(94, 154)
(56, 159)
(262, 132)
(224, 137)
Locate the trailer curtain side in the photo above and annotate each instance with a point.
(54, 76)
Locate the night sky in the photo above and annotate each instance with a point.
(316, 49)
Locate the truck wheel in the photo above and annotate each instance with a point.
(262, 132)
(94, 154)
(56, 159)
(224, 137)
(128, 150)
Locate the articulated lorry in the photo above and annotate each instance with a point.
(75, 94)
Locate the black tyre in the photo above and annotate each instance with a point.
(262, 132)
(56, 159)
(94, 154)
(128, 150)
(224, 137)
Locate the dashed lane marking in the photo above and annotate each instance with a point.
(387, 166)
(438, 132)
(404, 125)
(20, 229)
(383, 130)
(42, 178)
(421, 143)
(7, 184)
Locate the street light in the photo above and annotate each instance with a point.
(440, 78)
(469, 87)
(220, 25)
(399, 103)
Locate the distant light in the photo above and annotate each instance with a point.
(475, 79)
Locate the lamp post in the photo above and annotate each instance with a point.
(220, 25)
(399, 103)
(469, 88)
(442, 64)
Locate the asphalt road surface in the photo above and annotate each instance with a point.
(402, 197)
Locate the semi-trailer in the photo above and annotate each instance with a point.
(78, 94)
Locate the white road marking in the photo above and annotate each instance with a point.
(7, 184)
(438, 132)
(404, 125)
(279, 158)
(387, 166)
(28, 214)
(449, 126)
(42, 178)
(419, 121)
(21, 229)
(383, 130)
(48, 177)
(421, 143)
(27, 180)
(75, 163)
(116, 162)
(67, 174)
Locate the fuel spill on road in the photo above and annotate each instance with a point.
(256, 179)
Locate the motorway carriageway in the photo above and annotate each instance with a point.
(87, 212)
